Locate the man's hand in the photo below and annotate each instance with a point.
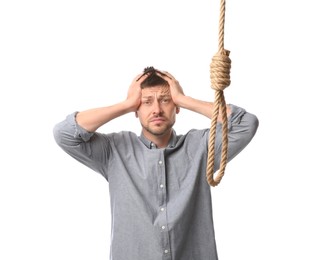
(175, 88)
(134, 92)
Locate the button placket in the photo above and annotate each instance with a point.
(163, 223)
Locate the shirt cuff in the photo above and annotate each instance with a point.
(79, 131)
(235, 115)
(234, 118)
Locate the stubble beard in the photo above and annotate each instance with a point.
(159, 131)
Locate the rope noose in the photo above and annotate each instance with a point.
(220, 79)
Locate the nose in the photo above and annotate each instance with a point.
(156, 108)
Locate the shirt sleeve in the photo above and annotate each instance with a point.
(90, 148)
(242, 127)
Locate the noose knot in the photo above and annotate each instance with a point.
(220, 70)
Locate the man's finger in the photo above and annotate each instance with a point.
(164, 73)
(141, 75)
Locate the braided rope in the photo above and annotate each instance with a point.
(220, 79)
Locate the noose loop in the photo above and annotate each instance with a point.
(220, 79)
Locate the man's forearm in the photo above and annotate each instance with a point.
(202, 107)
(94, 118)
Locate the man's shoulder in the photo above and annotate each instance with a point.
(192, 135)
(197, 132)
(123, 135)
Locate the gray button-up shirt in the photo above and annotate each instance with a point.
(160, 200)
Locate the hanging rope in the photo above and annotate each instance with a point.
(220, 79)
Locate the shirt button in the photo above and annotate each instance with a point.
(162, 209)
(163, 227)
(165, 251)
(160, 162)
(161, 186)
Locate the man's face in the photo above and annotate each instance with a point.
(157, 112)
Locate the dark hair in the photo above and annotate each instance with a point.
(153, 78)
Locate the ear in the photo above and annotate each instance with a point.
(177, 110)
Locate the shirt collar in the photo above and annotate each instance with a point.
(151, 145)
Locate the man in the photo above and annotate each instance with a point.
(160, 200)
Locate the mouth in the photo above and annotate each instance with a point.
(157, 120)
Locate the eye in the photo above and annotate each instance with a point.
(146, 102)
(165, 100)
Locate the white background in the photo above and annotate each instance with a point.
(60, 56)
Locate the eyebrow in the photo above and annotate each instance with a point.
(147, 97)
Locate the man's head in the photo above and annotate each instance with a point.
(157, 111)
(153, 78)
